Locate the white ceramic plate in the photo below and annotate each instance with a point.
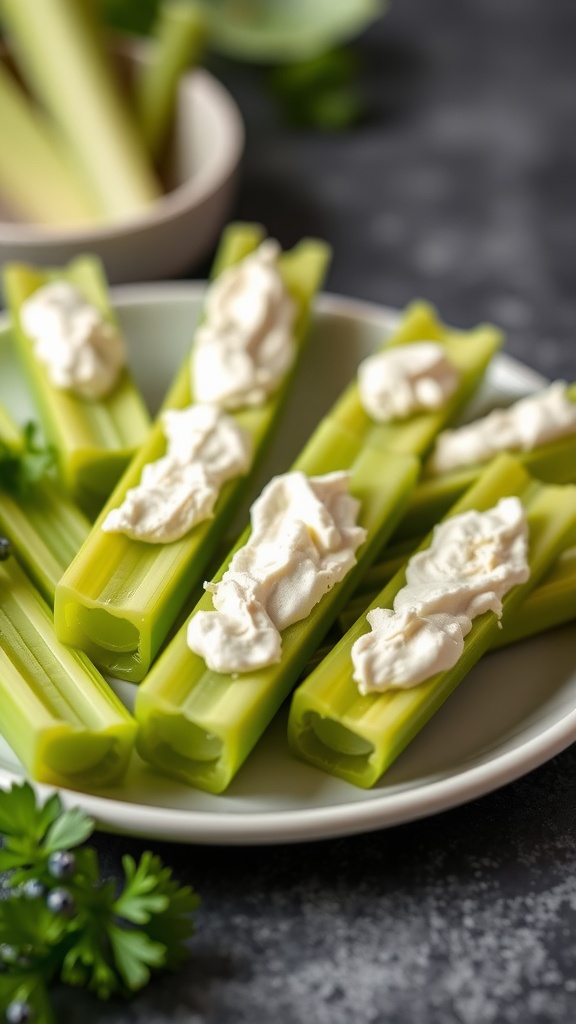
(512, 713)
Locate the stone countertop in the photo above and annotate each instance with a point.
(458, 187)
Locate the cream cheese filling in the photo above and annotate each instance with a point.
(303, 541)
(474, 559)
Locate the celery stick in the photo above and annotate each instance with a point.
(357, 737)
(46, 529)
(94, 440)
(56, 711)
(554, 462)
(119, 598)
(36, 174)
(200, 725)
(179, 35)
(61, 58)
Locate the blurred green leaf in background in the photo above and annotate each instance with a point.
(315, 78)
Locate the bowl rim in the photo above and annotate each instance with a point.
(170, 205)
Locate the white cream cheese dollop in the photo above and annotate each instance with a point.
(81, 351)
(529, 423)
(205, 448)
(474, 559)
(406, 379)
(303, 541)
(245, 346)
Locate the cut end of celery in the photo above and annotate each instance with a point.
(78, 759)
(180, 748)
(331, 746)
(119, 644)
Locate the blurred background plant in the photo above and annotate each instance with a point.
(302, 48)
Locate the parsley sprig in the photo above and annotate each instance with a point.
(20, 469)
(60, 921)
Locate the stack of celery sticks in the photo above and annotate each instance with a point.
(116, 599)
(77, 149)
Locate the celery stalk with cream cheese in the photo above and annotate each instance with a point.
(94, 438)
(356, 737)
(120, 596)
(553, 461)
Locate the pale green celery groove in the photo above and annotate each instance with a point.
(120, 597)
(94, 440)
(178, 39)
(554, 462)
(358, 737)
(62, 58)
(56, 711)
(36, 176)
(200, 725)
(46, 528)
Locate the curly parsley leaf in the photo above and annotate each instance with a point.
(32, 833)
(21, 468)
(72, 828)
(106, 940)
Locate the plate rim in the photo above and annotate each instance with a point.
(334, 820)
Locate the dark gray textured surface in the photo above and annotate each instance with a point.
(459, 187)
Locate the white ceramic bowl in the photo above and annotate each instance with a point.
(181, 227)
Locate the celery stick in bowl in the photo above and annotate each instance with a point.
(123, 591)
(73, 355)
(180, 227)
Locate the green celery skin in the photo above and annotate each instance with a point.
(179, 705)
(46, 528)
(94, 440)
(555, 463)
(358, 737)
(56, 711)
(184, 709)
(120, 597)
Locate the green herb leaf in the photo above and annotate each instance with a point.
(274, 31)
(110, 941)
(140, 897)
(72, 828)
(20, 470)
(135, 953)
